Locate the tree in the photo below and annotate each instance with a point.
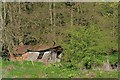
(70, 5)
(1, 26)
(50, 10)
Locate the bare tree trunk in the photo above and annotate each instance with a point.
(4, 18)
(9, 12)
(54, 17)
(78, 9)
(20, 37)
(9, 38)
(1, 41)
(71, 14)
(6, 36)
(4, 6)
(19, 14)
(50, 10)
(1, 28)
(54, 14)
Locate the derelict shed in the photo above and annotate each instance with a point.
(49, 55)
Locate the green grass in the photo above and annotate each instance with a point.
(39, 70)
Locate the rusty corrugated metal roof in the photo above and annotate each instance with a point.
(20, 49)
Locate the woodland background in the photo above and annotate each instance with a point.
(88, 32)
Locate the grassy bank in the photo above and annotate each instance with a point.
(27, 70)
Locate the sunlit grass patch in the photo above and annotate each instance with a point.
(39, 70)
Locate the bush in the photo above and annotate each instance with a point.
(82, 46)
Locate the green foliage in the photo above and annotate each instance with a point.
(84, 45)
(113, 58)
(109, 9)
(80, 47)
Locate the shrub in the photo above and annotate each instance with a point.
(82, 46)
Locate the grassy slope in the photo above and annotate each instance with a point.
(39, 70)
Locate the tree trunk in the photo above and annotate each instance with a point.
(50, 10)
(4, 18)
(71, 15)
(20, 37)
(54, 14)
(78, 9)
(1, 28)
(54, 17)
